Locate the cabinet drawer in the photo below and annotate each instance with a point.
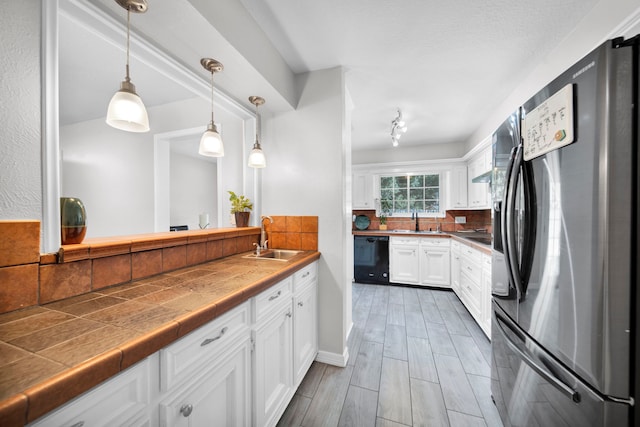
(201, 346)
(486, 262)
(472, 254)
(471, 268)
(122, 400)
(471, 293)
(402, 240)
(272, 298)
(438, 242)
(307, 275)
(455, 245)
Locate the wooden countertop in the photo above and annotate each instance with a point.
(461, 237)
(52, 353)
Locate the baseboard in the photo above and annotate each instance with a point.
(334, 359)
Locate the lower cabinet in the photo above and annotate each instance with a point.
(221, 393)
(404, 260)
(471, 269)
(273, 366)
(435, 262)
(240, 369)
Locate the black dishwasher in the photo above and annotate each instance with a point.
(371, 259)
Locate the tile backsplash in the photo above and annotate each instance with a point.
(475, 219)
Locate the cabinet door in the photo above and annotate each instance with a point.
(404, 264)
(478, 193)
(273, 366)
(455, 270)
(434, 266)
(486, 295)
(305, 331)
(218, 396)
(362, 191)
(458, 187)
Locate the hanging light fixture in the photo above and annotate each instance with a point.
(211, 142)
(126, 110)
(256, 158)
(398, 127)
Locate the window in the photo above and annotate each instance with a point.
(402, 194)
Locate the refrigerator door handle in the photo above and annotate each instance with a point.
(511, 252)
(529, 359)
(503, 212)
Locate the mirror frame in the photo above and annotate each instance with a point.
(104, 24)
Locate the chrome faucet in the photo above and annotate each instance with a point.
(414, 215)
(263, 234)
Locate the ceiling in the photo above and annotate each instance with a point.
(445, 64)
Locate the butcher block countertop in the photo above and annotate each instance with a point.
(52, 353)
(467, 238)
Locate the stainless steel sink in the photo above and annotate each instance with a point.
(274, 254)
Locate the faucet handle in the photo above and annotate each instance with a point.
(265, 244)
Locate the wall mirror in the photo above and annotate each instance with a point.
(132, 183)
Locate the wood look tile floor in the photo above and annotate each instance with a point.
(416, 358)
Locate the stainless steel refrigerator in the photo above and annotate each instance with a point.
(565, 260)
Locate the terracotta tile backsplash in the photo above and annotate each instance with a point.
(476, 219)
(28, 278)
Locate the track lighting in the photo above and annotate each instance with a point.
(398, 127)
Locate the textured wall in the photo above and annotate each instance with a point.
(20, 183)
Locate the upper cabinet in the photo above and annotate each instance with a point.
(458, 187)
(478, 174)
(363, 190)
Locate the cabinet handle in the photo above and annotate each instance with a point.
(186, 410)
(210, 340)
(288, 314)
(78, 424)
(300, 303)
(272, 297)
(306, 274)
(469, 268)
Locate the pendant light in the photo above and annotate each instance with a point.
(126, 110)
(211, 143)
(256, 158)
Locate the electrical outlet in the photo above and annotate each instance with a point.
(461, 220)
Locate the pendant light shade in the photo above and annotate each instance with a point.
(256, 158)
(211, 143)
(126, 110)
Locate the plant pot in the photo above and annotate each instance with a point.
(73, 220)
(383, 226)
(242, 219)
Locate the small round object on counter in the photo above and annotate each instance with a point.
(362, 222)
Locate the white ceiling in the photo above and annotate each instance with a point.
(445, 64)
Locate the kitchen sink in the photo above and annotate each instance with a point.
(274, 254)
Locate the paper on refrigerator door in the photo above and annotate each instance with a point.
(550, 125)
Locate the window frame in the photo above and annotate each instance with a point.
(441, 213)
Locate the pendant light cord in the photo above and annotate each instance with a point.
(212, 98)
(128, 40)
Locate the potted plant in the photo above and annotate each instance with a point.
(383, 221)
(241, 208)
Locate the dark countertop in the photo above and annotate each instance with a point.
(474, 238)
(52, 353)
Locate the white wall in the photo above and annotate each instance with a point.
(20, 178)
(608, 19)
(306, 174)
(193, 190)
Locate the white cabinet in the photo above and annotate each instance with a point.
(455, 266)
(404, 261)
(478, 193)
(434, 262)
(206, 374)
(485, 321)
(220, 392)
(458, 188)
(273, 353)
(305, 320)
(362, 195)
(471, 281)
(122, 400)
